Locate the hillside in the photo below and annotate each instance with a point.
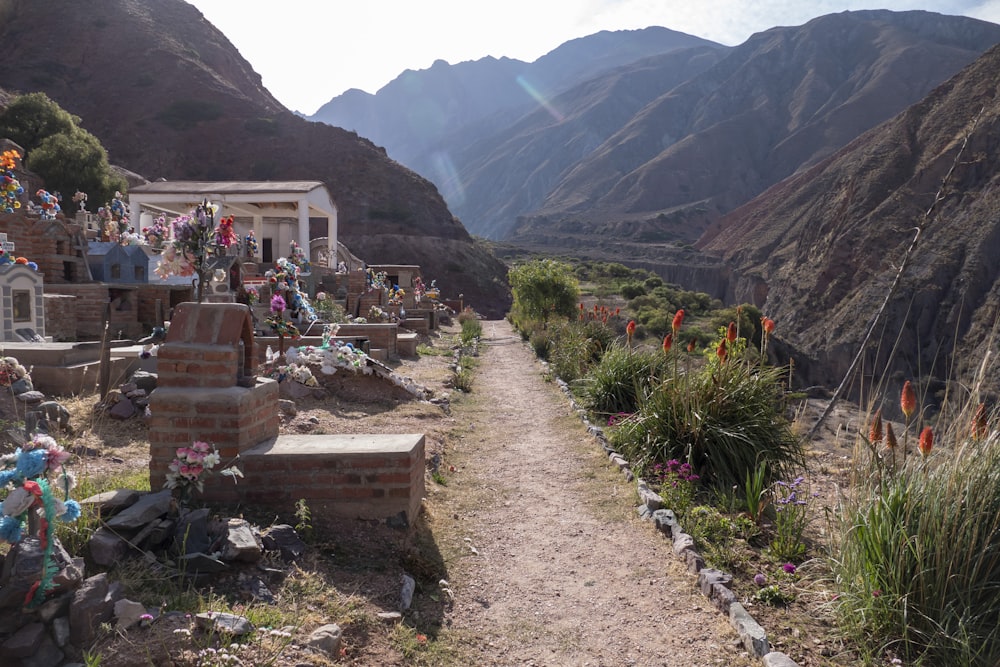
(170, 97)
(819, 250)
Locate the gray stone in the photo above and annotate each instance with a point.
(31, 397)
(191, 533)
(722, 597)
(665, 521)
(224, 624)
(683, 542)
(287, 407)
(107, 547)
(24, 642)
(143, 534)
(128, 388)
(58, 606)
(285, 540)
(112, 502)
(751, 634)
(60, 631)
(241, 544)
(90, 608)
(127, 613)
(22, 385)
(55, 414)
(24, 562)
(47, 654)
(260, 592)
(148, 508)
(161, 533)
(326, 639)
(644, 512)
(695, 563)
(390, 617)
(406, 594)
(123, 409)
(145, 380)
(778, 659)
(710, 576)
(200, 563)
(648, 497)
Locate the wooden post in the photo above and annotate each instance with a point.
(104, 374)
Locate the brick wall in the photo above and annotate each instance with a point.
(52, 244)
(91, 299)
(60, 316)
(380, 336)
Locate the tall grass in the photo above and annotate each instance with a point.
(616, 383)
(918, 564)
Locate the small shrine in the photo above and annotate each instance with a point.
(22, 311)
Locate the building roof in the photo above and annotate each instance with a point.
(241, 198)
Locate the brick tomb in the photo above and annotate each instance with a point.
(206, 391)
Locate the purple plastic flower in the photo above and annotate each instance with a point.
(277, 304)
(789, 568)
(760, 579)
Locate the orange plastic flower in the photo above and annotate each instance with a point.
(678, 320)
(908, 400)
(668, 342)
(875, 433)
(926, 441)
(890, 436)
(692, 344)
(731, 333)
(721, 351)
(979, 425)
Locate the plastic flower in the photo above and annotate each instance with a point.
(731, 332)
(278, 304)
(926, 443)
(17, 502)
(908, 400)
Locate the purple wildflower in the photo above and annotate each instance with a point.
(789, 568)
(760, 579)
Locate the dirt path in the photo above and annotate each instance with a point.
(548, 561)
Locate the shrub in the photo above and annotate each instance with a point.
(543, 289)
(571, 351)
(472, 329)
(615, 384)
(725, 420)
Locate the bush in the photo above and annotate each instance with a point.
(543, 289)
(725, 420)
(572, 351)
(471, 330)
(615, 384)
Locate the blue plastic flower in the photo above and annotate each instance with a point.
(10, 529)
(31, 463)
(72, 512)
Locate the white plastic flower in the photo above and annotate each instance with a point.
(17, 502)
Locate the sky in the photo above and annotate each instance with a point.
(309, 51)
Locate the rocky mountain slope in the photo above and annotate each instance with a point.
(169, 96)
(423, 115)
(819, 250)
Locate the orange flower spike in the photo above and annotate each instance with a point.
(668, 342)
(581, 305)
(678, 320)
(875, 433)
(926, 443)
(617, 310)
(908, 400)
(731, 332)
(630, 328)
(692, 344)
(979, 425)
(768, 325)
(721, 351)
(890, 436)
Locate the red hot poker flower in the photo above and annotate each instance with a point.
(908, 400)
(768, 325)
(630, 328)
(692, 344)
(678, 320)
(721, 351)
(731, 332)
(668, 342)
(890, 436)
(979, 425)
(875, 433)
(926, 441)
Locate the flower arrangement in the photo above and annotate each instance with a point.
(11, 371)
(6, 258)
(395, 295)
(49, 205)
(10, 189)
(39, 495)
(80, 199)
(114, 219)
(195, 240)
(157, 233)
(298, 257)
(225, 235)
(253, 296)
(191, 465)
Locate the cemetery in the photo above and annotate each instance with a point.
(205, 309)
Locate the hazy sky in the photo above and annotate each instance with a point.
(309, 51)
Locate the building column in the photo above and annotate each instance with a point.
(304, 226)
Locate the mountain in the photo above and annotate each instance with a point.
(169, 96)
(819, 250)
(417, 115)
(779, 103)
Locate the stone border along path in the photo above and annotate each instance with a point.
(713, 583)
(546, 562)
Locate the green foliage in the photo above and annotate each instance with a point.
(617, 382)
(184, 114)
(541, 342)
(30, 119)
(472, 329)
(725, 419)
(76, 160)
(918, 566)
(542, 289)
(303, 519)
(572, 350)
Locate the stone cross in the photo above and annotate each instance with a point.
(5, 245)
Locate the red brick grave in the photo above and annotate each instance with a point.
(207, 391)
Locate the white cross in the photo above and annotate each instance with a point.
(5, 245)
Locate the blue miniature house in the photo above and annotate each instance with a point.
(113, 263)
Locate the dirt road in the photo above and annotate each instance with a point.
(549, 563)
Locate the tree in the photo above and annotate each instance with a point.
(75, 160)
(32, 118)
(543, 288)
